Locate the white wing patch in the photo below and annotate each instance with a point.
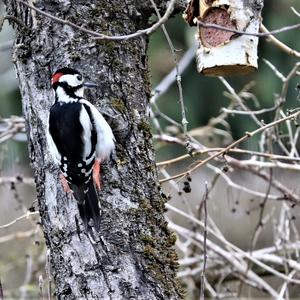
(87, 127)
(105, 137)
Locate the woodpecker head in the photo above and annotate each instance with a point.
(69, 84)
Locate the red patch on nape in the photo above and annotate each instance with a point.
(56, 77)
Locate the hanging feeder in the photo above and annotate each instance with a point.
(223, 53)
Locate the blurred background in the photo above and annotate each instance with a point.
(22, 250)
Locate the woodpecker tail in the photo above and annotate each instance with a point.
(88, 204)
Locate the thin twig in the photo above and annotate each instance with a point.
(286, 193)
(238, 99)
(238, 186)
(17, 236)
(295, 11)
(261, 222)
(245, 165)
(285, 284)
(278, 248)
(202, 278)
(169, 79)
(232, 246)
(26, 216)
(41, 287)
(12, 19)
(1, 291)
(270, 156)
(280, 45)
(48, 273)
(225, 150)
(184, 121)
(285, 85)
(257, 34)
(9, 127)
(101, 36)
(229, 257)
(17, 179)
(274, 69)
(28, 275)
(252, 112)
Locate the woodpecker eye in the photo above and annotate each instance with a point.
(79, 77)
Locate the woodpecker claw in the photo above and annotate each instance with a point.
(96, 174)
(65, 184)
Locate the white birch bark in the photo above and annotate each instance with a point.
(222, 53)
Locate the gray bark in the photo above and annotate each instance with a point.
(133, 256)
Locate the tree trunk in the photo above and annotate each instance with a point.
(133, 256)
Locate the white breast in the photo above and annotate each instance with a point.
(87, 127)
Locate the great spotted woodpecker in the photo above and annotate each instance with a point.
(79, 140)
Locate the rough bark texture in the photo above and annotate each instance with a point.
(223, 53)
(133, 256)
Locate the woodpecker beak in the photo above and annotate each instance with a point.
(90, 84)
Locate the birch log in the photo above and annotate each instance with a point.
(222, 53)
(132, 257)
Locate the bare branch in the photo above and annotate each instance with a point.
(12, 19)
(17, 179)
(17, 236)
(101, 36)
(1, 291)
(184, 121)
(233, 247)
(28, 275)
(229, 257)
(295, 11)
(204, 241)
(26, 216)
(270, 156)
(274, 69)
(262, 34)
(9, 127)
(280, 45)
(251, 112)
(169, 79)
(245, 137)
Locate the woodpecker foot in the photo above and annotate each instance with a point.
(65, 184)
(96, 174)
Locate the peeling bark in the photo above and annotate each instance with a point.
(133, 256)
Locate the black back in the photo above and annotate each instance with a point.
(65, 129)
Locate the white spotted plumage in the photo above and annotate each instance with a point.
(87, 127)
